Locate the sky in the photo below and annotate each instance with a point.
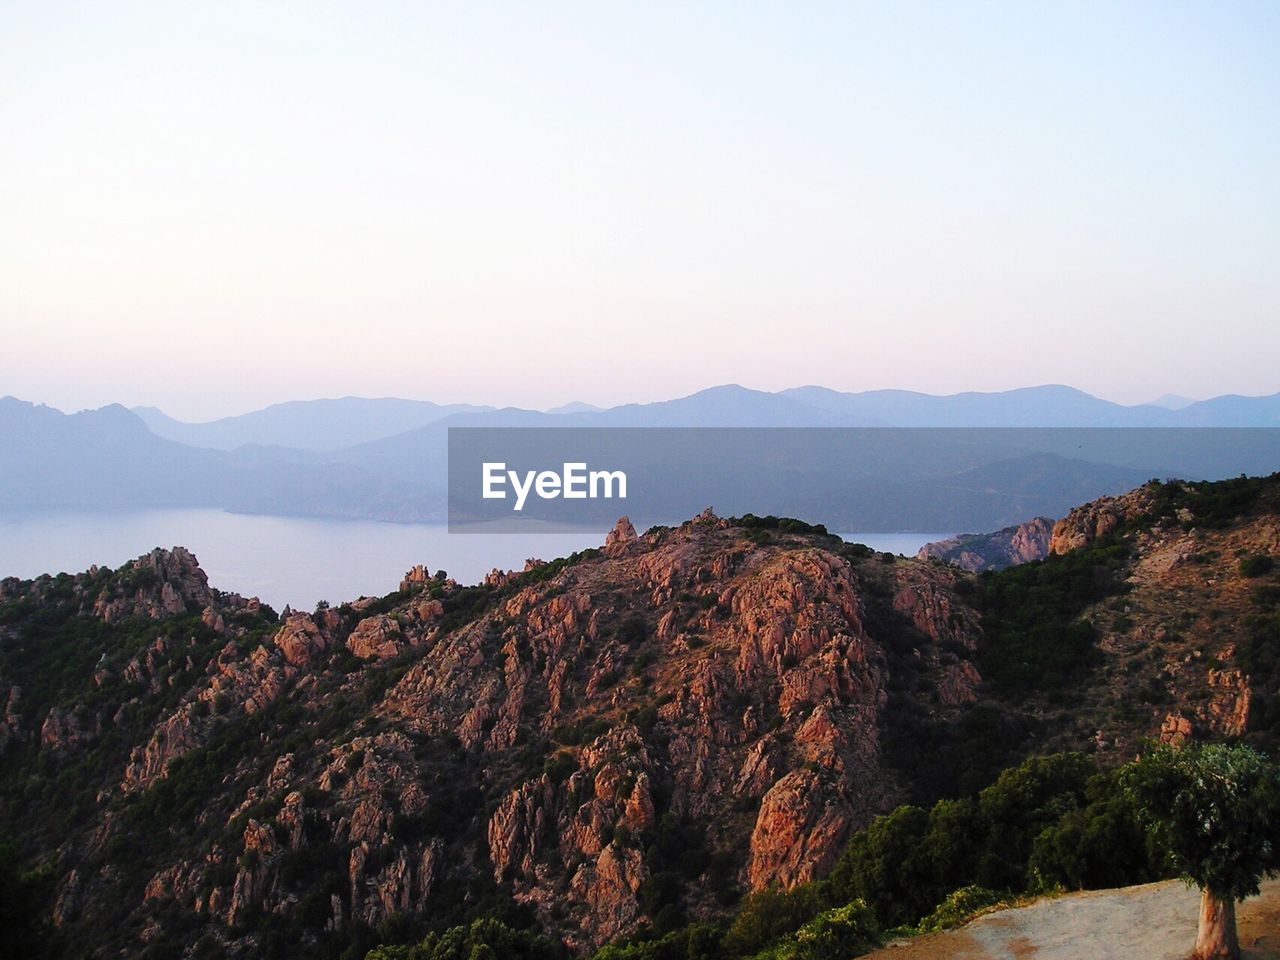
(209, 207)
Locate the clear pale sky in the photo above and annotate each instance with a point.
(214, 206)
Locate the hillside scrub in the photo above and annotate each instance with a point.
(1052, 823)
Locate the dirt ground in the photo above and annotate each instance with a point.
(1156, 921)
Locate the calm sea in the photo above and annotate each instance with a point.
(293, 560)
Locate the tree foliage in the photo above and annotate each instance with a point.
(25, 899)
(482, 939)
(1216, 808)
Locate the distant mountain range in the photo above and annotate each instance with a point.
(327, 425)
(385, 458)
(306, 424)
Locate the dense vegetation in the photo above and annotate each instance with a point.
(482, 939)
(1212, 504)
(750, 521)
(25, 930)
(1034, 638)
(1057, 822)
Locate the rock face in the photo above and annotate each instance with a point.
(1227, 710)
(300, 640)
(1085, 524)
(798, 831)
(707, 616)
(622, 534)
(164, 583)
(377, 637)
(993, 551)
(63, 729)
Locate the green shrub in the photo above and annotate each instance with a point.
(959, 908)
(767, 915)
(1254, 565)
(835, 934)
(1100, 845)
(560, 766)
(25, 901)
(1022, 803)
(482, 939)
(887, 866)
(750, 521)
(1033, 637)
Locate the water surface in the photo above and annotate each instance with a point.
(294, 560)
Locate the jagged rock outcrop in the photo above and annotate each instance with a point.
(377, 637)
(63, 729)
(253, 878)
(300, 640)
(1175, 730)
(520, 829)
(1227, 711)
(1106, 515)
(622, 534)
(993, 551)
(416, 577)
(798, 831)
(609, 888)
(164, 583)
(933, 608)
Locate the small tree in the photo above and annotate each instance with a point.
(1217, 810)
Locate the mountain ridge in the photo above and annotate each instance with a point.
(109, 458)
(1046, 405)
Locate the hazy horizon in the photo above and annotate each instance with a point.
(213, 208)
(1162, 400)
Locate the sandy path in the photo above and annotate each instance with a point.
(1156, 921)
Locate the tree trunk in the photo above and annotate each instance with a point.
(1216, 939)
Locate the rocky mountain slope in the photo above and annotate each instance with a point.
(717, 691)
(1190, 632)
(636, 734)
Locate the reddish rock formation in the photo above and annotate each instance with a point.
(1227, 712)
(622, 534)
(798, 831)
(62, 729)
(377, 637)
(164, 583)
(1087, 523)
(300, 640)
(993, 551)
(702, 684)
(609, 887)
(1175, 730)
(415, 578)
